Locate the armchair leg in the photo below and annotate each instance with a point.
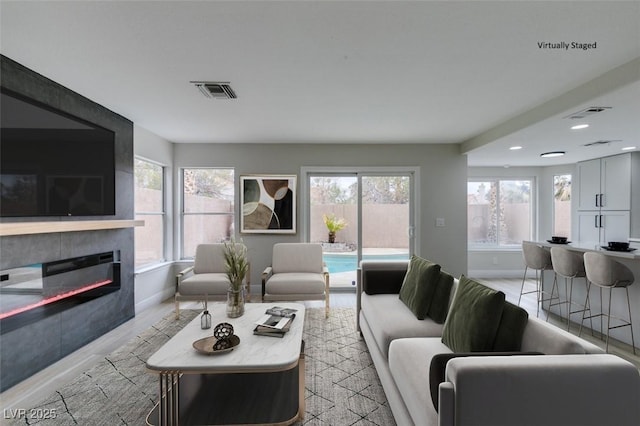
(177, 309)
(326, 296)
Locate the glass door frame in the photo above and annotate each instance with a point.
(359, 172)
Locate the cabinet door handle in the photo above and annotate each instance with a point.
(601, 200)
(597, 201)
(600, 221)
(595, 221)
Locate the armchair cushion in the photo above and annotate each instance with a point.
(419, 286)
(295, 282)
(209, 258)
(297, 257)
(474, 317)
(201, 284)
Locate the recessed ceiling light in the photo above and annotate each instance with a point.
(515, 148)
(628, 148)
(552, 154)
(579, 126)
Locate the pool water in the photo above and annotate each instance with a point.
(349, 262)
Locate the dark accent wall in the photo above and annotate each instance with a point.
(27, 350)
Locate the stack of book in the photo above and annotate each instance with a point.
(275, 322)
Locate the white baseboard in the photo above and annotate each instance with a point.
(154, 300)
(503, 273)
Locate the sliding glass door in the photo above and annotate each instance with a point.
(359, 215)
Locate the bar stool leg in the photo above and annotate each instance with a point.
(609, 320)
(570, 293)
(522, 286)
(633, 343)
(587, 307)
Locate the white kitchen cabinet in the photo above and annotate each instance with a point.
(605, 183)
(604, 226)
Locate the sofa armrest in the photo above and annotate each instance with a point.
(268, 271)
(378, 277)
(586, 390)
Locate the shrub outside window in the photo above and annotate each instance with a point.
(149, 206)
(499, 213)
(207, 207)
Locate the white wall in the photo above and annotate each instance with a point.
(443, 173)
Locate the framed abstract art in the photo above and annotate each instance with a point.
(268, 204)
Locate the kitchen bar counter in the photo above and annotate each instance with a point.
(618, 303)
(587, 246)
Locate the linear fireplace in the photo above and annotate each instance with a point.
(33, 292)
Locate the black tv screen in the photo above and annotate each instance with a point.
(52, 163)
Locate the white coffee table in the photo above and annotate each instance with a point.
(261, 381)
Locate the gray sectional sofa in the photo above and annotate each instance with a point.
(556, 378)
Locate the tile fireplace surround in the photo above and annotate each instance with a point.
(33, 346)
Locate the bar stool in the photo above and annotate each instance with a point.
(538, 258)
(569, 265)
(605, 272)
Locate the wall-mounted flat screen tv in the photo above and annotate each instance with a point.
(52, 163)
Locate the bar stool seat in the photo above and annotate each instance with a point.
(569, 265)
(538, 258)
(605, 272)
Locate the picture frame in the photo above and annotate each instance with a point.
(268, 204)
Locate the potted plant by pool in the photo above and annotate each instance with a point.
(236, 265)
(333, 224)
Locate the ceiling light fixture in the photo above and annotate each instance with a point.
(515, 148)
(579, 126)
(552, 154)
(628, 148)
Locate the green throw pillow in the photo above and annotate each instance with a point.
(440, 303)
(419, 285)
(474, 317)
(512, 324)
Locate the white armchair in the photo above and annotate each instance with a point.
(206, 278)
(297, 272)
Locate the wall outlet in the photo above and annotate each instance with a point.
(440, 221)
(494, 260)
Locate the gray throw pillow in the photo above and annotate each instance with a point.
(419, 285)
(473, 318)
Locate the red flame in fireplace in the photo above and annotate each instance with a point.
(53, 299)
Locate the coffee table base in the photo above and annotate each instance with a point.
(265, 398)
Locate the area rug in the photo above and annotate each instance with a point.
(342, 387)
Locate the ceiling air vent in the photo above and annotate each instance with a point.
(215, 89)
(587, 112)
(602, 142)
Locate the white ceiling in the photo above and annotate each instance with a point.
(467, 72)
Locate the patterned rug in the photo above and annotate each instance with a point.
(342, 387)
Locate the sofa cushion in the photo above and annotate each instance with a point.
(383, 282)
(441, 297)
(512, 324)
(473, 318)
(419, 285)
(389, 319)
(551, 340)
(409, 366)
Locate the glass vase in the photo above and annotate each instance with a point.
(235, 303)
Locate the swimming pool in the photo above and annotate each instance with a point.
(349, 262)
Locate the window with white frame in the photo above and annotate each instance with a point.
(150, 207)
(207, 207)
(499, 212)
(562, 205)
